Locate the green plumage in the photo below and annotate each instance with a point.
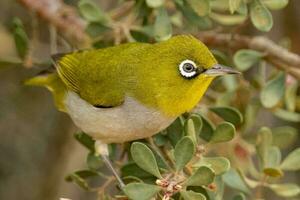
(102, 77)
(146, 72)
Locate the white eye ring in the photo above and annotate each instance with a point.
(189, 72)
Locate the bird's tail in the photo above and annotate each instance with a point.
(54, 84)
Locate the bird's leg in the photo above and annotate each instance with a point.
(102, 150)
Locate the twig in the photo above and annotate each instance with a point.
(62, 16)
(101, 190)
(122, 10)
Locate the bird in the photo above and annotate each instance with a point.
(130, 91)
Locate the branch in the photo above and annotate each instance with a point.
(61, 16)
(275, 54)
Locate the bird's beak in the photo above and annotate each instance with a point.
(219, 70)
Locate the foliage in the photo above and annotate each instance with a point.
(221, 145)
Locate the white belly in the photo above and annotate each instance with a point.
(129, 121)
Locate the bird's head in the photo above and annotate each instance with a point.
(177, 73)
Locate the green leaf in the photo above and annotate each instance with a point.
(131, 169)
(191, 195)
(160, 139)
(175, 131)
(154, 3)
(201, 7)
(240, 196)
(264, 141)
(192, 17)
(189, 129)
(291, 96)
(234, 5)
(275, 4)
(202, 176)
(192, 127)
(287, 115)
(90, 11)
(20, 37)
(220, 5)
(85, 140)
(207, 129)
(223, 133)
(197, 122)
(292, 161)
(162, 25)
(234, 180)
(273, 172)
(141, 191)
(273, 157)
(245, 58)
(184, 152)
(260, 16)
(243, 9)
(144, 158)
(94, 162)
(284, 136)
(229, 114)
(219, 165)
(285, 190)
(79, 178)
(273, 92)
(221, 56)
(251, 112)
(228, 20)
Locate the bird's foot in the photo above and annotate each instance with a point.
(102, 150)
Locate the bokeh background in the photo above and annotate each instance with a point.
(37, 149)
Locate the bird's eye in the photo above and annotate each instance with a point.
(188, 69)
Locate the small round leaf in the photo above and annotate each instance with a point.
(219, 165)
(284, 136)
(273, 92)
(260, 16)
(240, 196)
(245, 58)
(90, 11)
(228, 20)
(94, 162)
(144, 158)
(292, 161)
(202, 176)
(162, 25)
(275, 4)
(201, 7)
(207, 129)
(141, 191)
(285, 190)
(229, 114)
(191, 195)
(154, 3)
(184, 151)
(223, 133)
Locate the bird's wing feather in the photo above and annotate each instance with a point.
(94, 75)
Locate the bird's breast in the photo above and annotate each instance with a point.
(129, 121)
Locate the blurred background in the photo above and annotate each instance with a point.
(37, 148)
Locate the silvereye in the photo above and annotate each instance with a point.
(131, 91)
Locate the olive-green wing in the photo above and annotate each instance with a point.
(94, 75)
